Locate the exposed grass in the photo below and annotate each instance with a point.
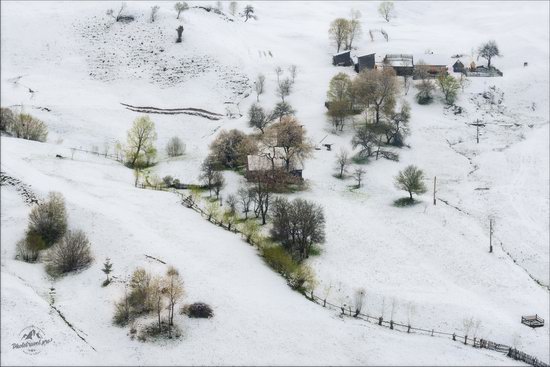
(315, 250)
(403, 202)
(357, 159)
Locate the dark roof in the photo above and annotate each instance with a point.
(458, 63)
(365, 61)
(342, 58)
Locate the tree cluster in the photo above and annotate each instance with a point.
(151, 294)
(343, 32)
(22, 125)
(298, 225)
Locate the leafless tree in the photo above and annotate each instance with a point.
(259, 118)
(175, 147)
(359, 299)
(293, 70)
(233, 8)
(386, 10)
(376, 88)
(354, 28)
(174, 291)
(278, 72)
(291, 137)
(154, 12)
(342, 160)
(284, 88)
(72, 253)
(248, 13)
(246, 196)
(339, 31)
(218, 183)
(358, 174)
(259, 86)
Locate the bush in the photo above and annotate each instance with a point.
(175, 147)
(7, 119)
(71, 254)
(49, 219)
(168, 181)
(28, 127)
(140, 299)
(29, 247)
(302, 279)
(278, 259)
(197, 310)
(122, 313)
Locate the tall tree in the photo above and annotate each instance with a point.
(259, 85)
(140, 142)
(258, 118)
(291, 137)
(339, 31)
(377, 89)
(386, 10)
(410, 180)
(174, 291)
(354, 28)
(488, 50)
(180, 6)
(342, 162)
(249, 13)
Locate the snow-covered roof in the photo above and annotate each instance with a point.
(399, 60)
(434, 59)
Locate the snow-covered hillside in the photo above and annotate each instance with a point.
(431, 262)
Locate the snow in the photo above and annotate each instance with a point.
(433, 259)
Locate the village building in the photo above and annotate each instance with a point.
(342, 59)
(458, 67)
(403, 64)
(365, 62)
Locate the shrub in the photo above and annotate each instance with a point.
(197, 310)
(7, 119)
(28, 127)
(139, 298)
(29, 247)
(71, 254)
(175, 147)
(168, 181)
(278, 259)
(230, 148)
(122, 313)
(302, 279)
(49, 219)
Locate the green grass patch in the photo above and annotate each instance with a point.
(403, 202)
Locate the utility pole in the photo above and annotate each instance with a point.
(435, 181)
(490, 235)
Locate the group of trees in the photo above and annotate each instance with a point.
(343, 32)
(66, 251)
(297, 225)
(22, 125)
(151, 294)
(374, 92)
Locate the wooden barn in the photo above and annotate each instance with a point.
(458, 67)
(365, 62)
(403, 64)
(342, 59)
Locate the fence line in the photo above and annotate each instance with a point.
(475, 342)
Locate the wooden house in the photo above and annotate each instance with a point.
(342, 59)
(403, 64)
(365, 62)
(458, 67)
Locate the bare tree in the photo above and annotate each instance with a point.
(359, 298)
(154, 12)
(174, 291)
(488, 50)
(342, 160)
(291, 137)
(385, 35)
(358, 174)
(386, 10)
(354, 28)
(377, 89)
(233, 8)
(246, 196)
(284, 88)
(28, 127)
(158, 291)
(283, 109)
(208, 173)
(258, 118)
(259, 86)
(278, 72)
(248, 13)
(175, 147)
(119, 15)
(293, 70)
(339, 32)
(218, 183)
(180, 7)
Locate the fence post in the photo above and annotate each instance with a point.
(465, 339)
(474, 342)
(391, 324)
(409, 329)
(380, 320)
(432, 332)
(454, 336)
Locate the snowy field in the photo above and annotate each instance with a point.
(431, 262)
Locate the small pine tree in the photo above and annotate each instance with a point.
(107, 269)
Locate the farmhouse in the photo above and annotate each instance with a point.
(402, 63)
(431, 64)
(458, 67)
(365, 62)
(271, 159)
(342, 59)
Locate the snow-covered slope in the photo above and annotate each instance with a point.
(432, 259)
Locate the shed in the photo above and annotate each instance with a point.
(403, 64)
(458, 67)
(365, 62)
(342, 59)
